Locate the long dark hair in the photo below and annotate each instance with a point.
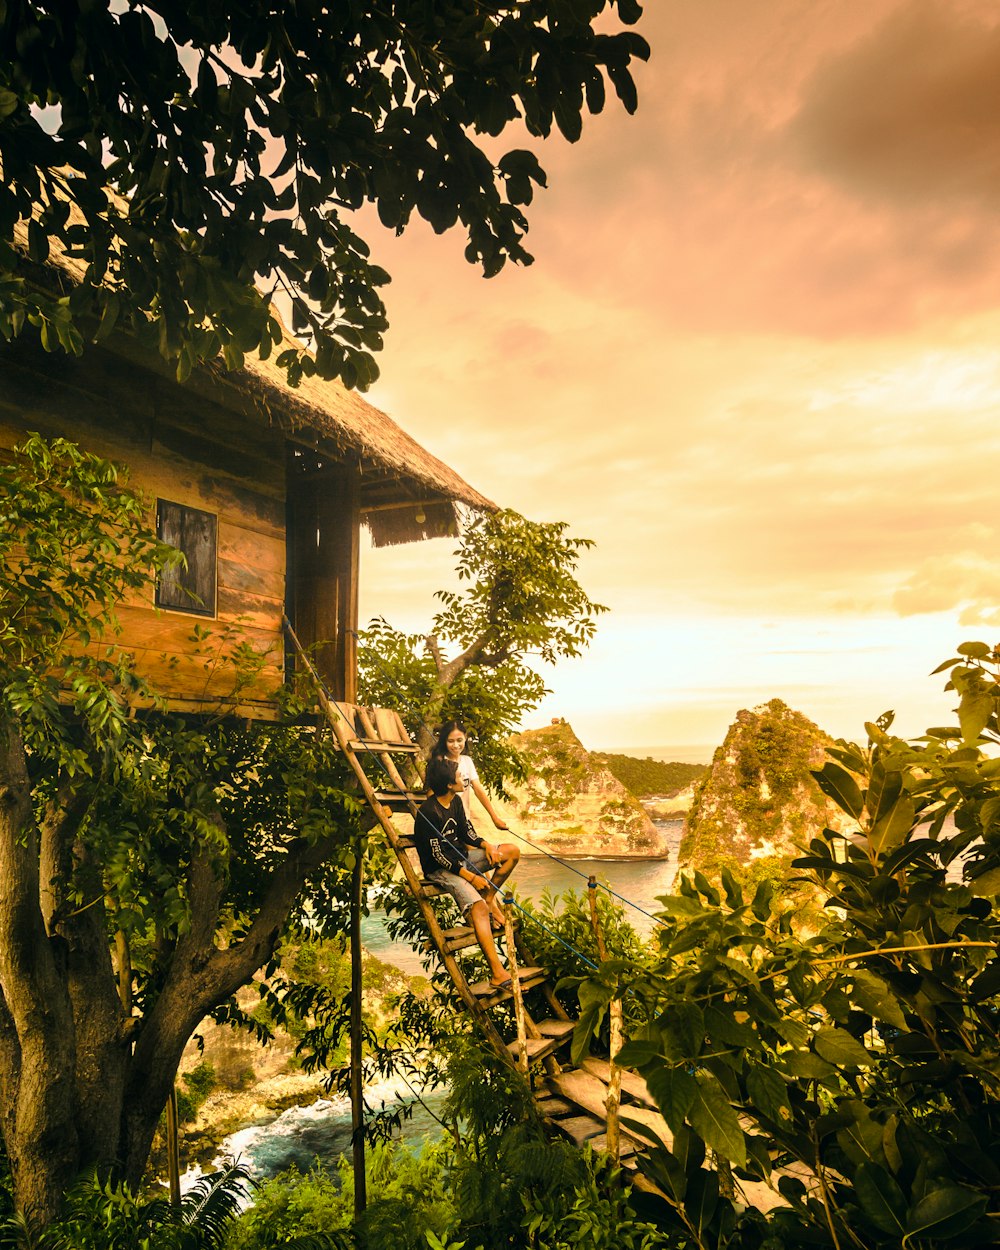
(440, 749)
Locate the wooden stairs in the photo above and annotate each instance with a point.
(571, 1103)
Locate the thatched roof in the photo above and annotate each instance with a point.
(407, 492)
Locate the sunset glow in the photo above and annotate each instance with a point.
(757, 360)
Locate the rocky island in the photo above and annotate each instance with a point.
(758, 802)
(572, 804)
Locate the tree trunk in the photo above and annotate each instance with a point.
(73, 1092)
(37, 1068)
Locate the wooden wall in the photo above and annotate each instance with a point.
(190, 450)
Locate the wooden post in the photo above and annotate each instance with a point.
(522, 1028)
(615, 1011)
(357, 1088)
(173, 1150)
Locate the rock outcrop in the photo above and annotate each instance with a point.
(758, 803)
(572, 805)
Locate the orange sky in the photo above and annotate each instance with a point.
(757, 359)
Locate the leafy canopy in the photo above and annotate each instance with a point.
(520, 602)
(182, 152)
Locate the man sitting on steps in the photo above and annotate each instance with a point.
(453, 856)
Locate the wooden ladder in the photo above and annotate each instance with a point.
(379, 734)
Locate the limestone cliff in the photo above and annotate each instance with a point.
(571, 804)
(758, 800)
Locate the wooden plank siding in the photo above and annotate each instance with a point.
(188, 450)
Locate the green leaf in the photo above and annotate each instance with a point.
(974, 712)
(701, 1200)
(944, 1213)
(768, 1094)
(892, 829)
(685, 1026)
(805, 1065)
(715, 1121)
(974, 650)
(839, 1047)
(987, 884)
(838, 784)
(884, 788)
(675, 1090)
(872, 995)
(881, 1198)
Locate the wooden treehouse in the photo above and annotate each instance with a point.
(264, 488)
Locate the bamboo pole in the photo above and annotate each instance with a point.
(357, 1087)
(615, 1012)
(522, 1028)
(173, 1150)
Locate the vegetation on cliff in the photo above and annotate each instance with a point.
(759, 801)
(649, 778)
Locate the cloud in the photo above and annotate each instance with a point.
(912, 111)
(965, 578)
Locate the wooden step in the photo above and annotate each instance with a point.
(430, 890)
(489, 993)
(456, 939)
(373, 746)
(537, 1048)
(579, 1128)
(554, 1034)
(555, 1028)
(589, 1130)
(399, 799)
(590, 1094)
(461, 937)
(551, 1107)
(633, 1086)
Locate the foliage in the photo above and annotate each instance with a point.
(521, 601)
(187, 848)
(103, 1215)
(865, 1055)
(180, 152)
(649, 777)
(198, 1084)
(551, 1198)
(292, 1206)
(563, 941)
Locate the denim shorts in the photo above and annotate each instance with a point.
(463, 892)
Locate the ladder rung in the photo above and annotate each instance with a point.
(537, 1047)
(487, 991)
(396, 798)
(406, 841)
(555, 1028)
(430, 890)
(553, 1107)
(365, 746)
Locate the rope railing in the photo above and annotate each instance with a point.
(408, 706)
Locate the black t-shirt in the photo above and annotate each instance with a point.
(441, 833)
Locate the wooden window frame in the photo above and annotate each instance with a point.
(195, 604)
